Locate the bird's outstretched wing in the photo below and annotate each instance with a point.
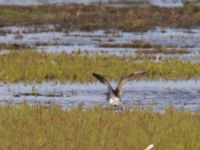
(100, 78)
(130, 77)
(104, 81)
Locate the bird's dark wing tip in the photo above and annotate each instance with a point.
(98, 76)
(95, 74)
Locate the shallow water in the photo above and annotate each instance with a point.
(45, 38)
(161, 3)
(182, 95)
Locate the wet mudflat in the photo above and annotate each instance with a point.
(172, 43)
(182, 95)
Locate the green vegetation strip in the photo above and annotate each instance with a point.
(96, 129)
(90, 17)
(30, 66)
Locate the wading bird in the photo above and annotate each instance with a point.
(158, 59)
(113, 95)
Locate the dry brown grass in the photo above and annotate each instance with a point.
(14, 47)
(90, 17)
(133, 44)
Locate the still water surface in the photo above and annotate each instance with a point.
(183, 95)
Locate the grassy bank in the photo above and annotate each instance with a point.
(29, 66)
(88, 17)
(53, 128)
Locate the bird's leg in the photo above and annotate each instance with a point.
(119, 108)
(122, 107)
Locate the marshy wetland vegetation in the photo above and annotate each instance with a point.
(38, 127)
(48, 125)
(92, 17)
(30, 66)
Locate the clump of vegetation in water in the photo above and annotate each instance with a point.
(93, 17)
(160, 50)
(133, 44)
(14, 47)
(49, 128)
(30, 66)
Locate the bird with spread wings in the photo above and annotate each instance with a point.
(113, 95)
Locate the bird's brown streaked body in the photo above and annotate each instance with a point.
(113, 95)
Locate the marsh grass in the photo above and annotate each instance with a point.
(133, 44)
(30, 66)
(92, 17)
(160, 50)
(193, 7)
(49, 128)
(14, 47)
